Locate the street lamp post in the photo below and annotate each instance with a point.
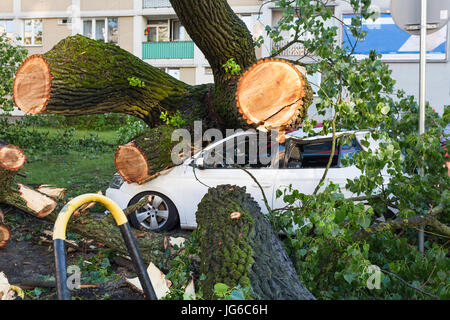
(422, 90)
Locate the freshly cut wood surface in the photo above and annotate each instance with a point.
(36, 201)
(270, 93)
(131, 163)
(149, 155)
(52, 191)
(32, 85)
(5, 235)
(12, 158)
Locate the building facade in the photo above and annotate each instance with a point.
(151, 30)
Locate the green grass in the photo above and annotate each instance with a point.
(79, 172)
(107, 136)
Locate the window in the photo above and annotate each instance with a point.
(33, 32)
(7, 26)
(104, 29)
(113, 30)
(65, 21)
(316, 154)
(157, 31)
(348, 150)
(174, 72)
(178, 31)
(243, 151)
(311, 155)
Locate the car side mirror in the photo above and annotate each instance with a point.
(199, 163)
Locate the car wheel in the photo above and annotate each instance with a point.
(160, 214)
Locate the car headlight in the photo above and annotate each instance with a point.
(116, 182)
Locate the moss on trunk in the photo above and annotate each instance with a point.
(243, 248)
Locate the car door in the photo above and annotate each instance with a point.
(217, 170)
(305, 162)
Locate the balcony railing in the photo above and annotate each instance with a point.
(155, 4)
(168, 50)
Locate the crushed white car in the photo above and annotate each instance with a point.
(176, 193)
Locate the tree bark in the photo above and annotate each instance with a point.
(239, 247)
(221, 35)
(147, 155)
(82, 76)
(429, 219)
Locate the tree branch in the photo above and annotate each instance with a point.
(400, 223)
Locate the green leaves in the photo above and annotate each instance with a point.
(231, 67)
(11, 56)
(136, 82)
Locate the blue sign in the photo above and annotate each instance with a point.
(393, 43)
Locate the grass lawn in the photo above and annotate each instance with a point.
(107, 136)
(79, 172)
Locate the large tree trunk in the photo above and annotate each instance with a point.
(82, 76)
(221, 35)
(239, 246)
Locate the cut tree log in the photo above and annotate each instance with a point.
(270, 95)
(243, 249)
(12, 159)
(82, 76)
(148, 155)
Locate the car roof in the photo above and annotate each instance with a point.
(300, 134)
(294, 134)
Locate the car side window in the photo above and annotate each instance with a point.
(312, 155)
(243, 151)
(348, 150)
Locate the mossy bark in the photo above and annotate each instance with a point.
(151, 152)
(10, 193)
(221, 35)
(91, 77)
(245, 250)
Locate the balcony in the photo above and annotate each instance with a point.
(155, 4)
(168, 50)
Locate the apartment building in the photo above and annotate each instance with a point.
(151, 30)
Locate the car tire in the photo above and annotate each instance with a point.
(160, 214)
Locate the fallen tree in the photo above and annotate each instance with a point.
(81, 76)
(271, 94)
(239, 247)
